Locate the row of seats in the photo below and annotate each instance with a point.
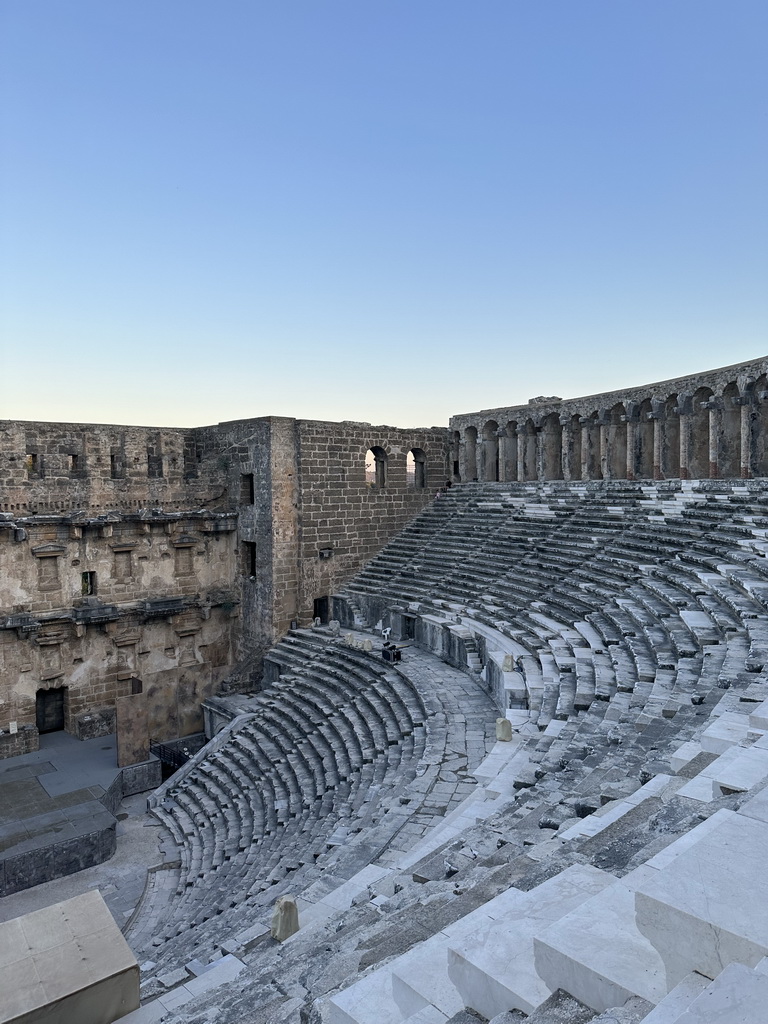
(636, 623)
(311, 775)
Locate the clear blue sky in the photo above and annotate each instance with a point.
(382, 210)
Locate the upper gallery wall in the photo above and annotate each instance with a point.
(706, 425)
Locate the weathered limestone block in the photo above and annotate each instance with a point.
(503, 729)
(285, 919)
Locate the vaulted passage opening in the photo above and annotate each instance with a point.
(320, 607)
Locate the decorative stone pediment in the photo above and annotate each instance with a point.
(48, 550)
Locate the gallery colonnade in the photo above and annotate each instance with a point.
(713, 430)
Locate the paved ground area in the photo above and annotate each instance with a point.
(63, 771)
(38, 790)
(120, 880)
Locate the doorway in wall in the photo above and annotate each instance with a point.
(320, 609)
(49, 709)
(409, 627)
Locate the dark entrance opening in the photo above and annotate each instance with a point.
(409, 627)
(320, 609)
(49, 709)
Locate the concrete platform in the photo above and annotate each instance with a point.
(56, 810)
(66, 963)
(57, 806)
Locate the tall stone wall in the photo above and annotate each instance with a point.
(345, 518)
(706, 425)
(118, 566)
(307, 517)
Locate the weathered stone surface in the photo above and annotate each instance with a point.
(285, 919)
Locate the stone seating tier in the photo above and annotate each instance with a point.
(617, 645)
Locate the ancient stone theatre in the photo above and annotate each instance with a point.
(449, 724)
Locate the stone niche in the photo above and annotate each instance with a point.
(68, 962)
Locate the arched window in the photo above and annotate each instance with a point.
(643, 454)
(376, 467)
(574, 451)
(416, 468)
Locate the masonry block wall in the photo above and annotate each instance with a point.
(308, 518)
(347, 518)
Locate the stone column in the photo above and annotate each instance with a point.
(657, 440)
(631, 446)
(541, 440)
(521, 453)
(747, 440)
(565, 447)
(584, 448)
(714, 435)
(463, 460)
(605, 462)
(685, 445)
(503, 439)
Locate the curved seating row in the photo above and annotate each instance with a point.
(313, 777)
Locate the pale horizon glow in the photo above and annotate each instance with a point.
(386, 212)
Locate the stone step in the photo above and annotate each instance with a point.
(441, 973)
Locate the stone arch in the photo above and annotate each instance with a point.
(729, 439)
(552, 447)
(470, 453)
(698, 436)
(643, 461)
(670, 440)
(376, 467)
(616, 456)
(489, 456)
(510, 451)
(416, 468)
